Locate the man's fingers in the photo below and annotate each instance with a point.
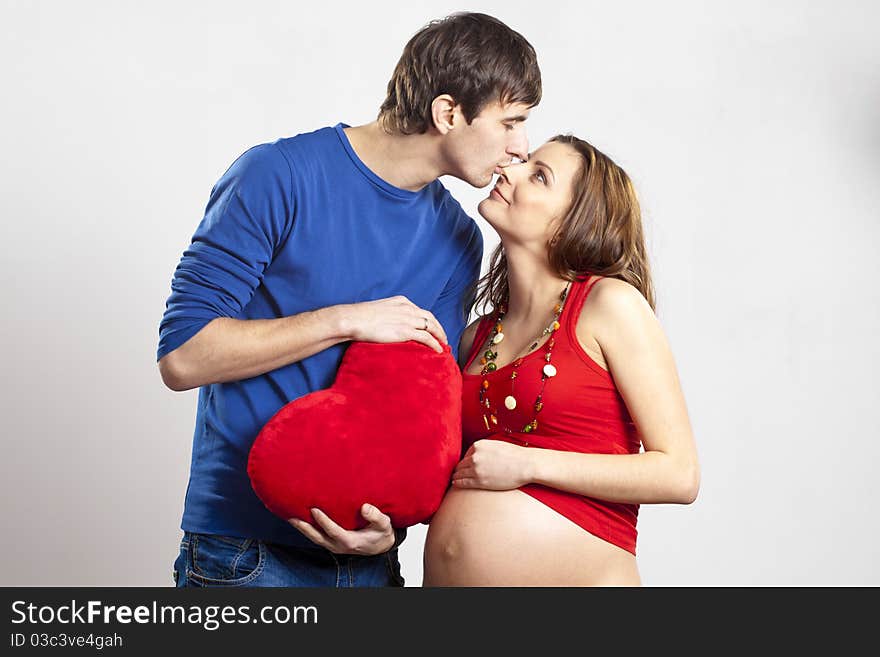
(437, 328)
(309, 532)
(341, 541)
(426, 339)
(375, 517)
(333, 531)
(434, 329)
(433, 326)
(409, 322)
(440, 337)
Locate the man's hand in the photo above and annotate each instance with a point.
(377, 537)
(395, 319)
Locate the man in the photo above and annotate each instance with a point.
(313, 241)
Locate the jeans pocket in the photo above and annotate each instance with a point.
(224, 560)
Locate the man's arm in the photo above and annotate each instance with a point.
(232, 349)
(249, 215)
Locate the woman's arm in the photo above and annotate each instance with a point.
(633, 345)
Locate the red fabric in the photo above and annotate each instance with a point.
(387, 432)
(583, 412)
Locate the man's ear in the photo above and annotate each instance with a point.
(445, 113)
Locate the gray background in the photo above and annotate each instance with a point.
(751, 132)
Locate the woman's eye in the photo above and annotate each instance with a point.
(540, 176)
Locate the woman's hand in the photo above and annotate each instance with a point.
(493, 465)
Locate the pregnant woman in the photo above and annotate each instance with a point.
(573, 414)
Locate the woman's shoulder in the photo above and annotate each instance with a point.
(612, 303)
(607, 290)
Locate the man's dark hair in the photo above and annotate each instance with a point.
(473, 57)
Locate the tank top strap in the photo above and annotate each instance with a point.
(580, 289)
(483, 329)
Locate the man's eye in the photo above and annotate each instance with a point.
(508, 126)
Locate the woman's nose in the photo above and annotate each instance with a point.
(511, 172)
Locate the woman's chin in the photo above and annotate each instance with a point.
(488, 212)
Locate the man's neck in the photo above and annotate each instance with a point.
(406, 161)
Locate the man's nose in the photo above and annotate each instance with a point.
(519, 147)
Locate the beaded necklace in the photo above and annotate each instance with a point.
(548, 370)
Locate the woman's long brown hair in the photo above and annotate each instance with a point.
(601, 234)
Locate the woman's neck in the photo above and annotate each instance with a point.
(534, 288)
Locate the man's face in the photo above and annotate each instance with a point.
(496, 135)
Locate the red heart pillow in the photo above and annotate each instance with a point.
(387, 432)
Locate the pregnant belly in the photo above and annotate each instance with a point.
(508, 538)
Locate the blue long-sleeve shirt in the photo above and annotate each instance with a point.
(292, 226)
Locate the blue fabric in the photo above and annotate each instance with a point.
(293, 226)
(215, 561)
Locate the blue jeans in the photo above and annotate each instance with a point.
(209, 560)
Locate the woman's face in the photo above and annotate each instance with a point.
(529, 199)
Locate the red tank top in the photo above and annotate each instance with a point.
(583, 412)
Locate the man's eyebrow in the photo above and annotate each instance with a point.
(546, 166)
(518, 118)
